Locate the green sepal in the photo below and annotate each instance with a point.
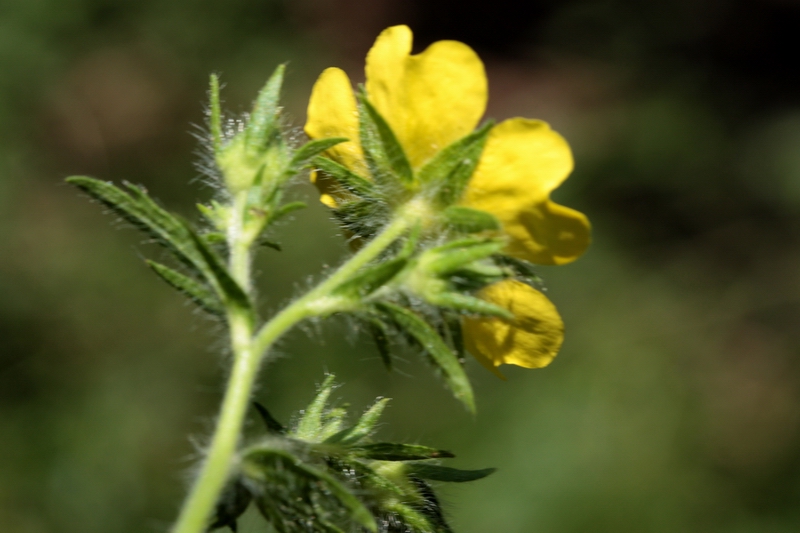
(380, 335)
(389, 451)
(270, 422)
(440, 353)
(469, 304)
(450, 169)
(346, 178)
(371, 278)
(309, 151)
(363, 428)
(263, 121)
(258, 462)
(445, 473)
(454, 255)
(362, 217)
(191, 288)
(468, 220)
(309, 426)
(142, 212)
(382, 150)
(519, 268)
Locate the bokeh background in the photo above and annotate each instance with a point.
(675, 403)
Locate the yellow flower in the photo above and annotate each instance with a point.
(431, 100)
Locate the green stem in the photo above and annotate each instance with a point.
(248, 352)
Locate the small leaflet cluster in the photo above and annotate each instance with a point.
(323, 476)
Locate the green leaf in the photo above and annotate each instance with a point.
(444, 473)
(363, 428)
(217, 274)
(389, 451)
(272, 425)
(470, 220)
(256, 459)
(371, 278)
(311, 422)
(141, 211)
(440, 353)
(382, 150)
(346, 178)
(380, 335)
(519, 267)
(363, 217)
(450, 169)
(194, 290)
(264, 117)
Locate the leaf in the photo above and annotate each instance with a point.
(382, 150)
(519, 267)
(371, 278)
(364, 426)
(456, 254)
(440, 353)
(194, 290)
(138, 209)
(264, 117)
(470, 304)
(470, 220)
(379, 334)
(389, 451)
(444, 473)
(256, 459)
(346, 178)
(311, 422)
(217, 274)
(451, 168)
(231, 505)
(273, 426)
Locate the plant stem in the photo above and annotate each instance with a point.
(248, 352)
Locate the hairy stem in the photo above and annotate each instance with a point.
(249, 350)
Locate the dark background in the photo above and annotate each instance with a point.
(675, 403)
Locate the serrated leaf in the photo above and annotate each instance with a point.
(364, 426)
(440, 353)
(264, 118)
(272, 425)
(217, 274)
(310, 424)
(444, 473)
(470, 220)
(382, 151)
(255, 460)
(389, 451)
(141, 211)
(346, 178)
(200, 294)
(371, 278)
(450, 169)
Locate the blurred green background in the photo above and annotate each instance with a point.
(675, 403)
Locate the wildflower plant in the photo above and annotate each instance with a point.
(445, 217)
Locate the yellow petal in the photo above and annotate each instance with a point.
(429, 99)
(332, 112)
(522, 162)
(531, 340)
